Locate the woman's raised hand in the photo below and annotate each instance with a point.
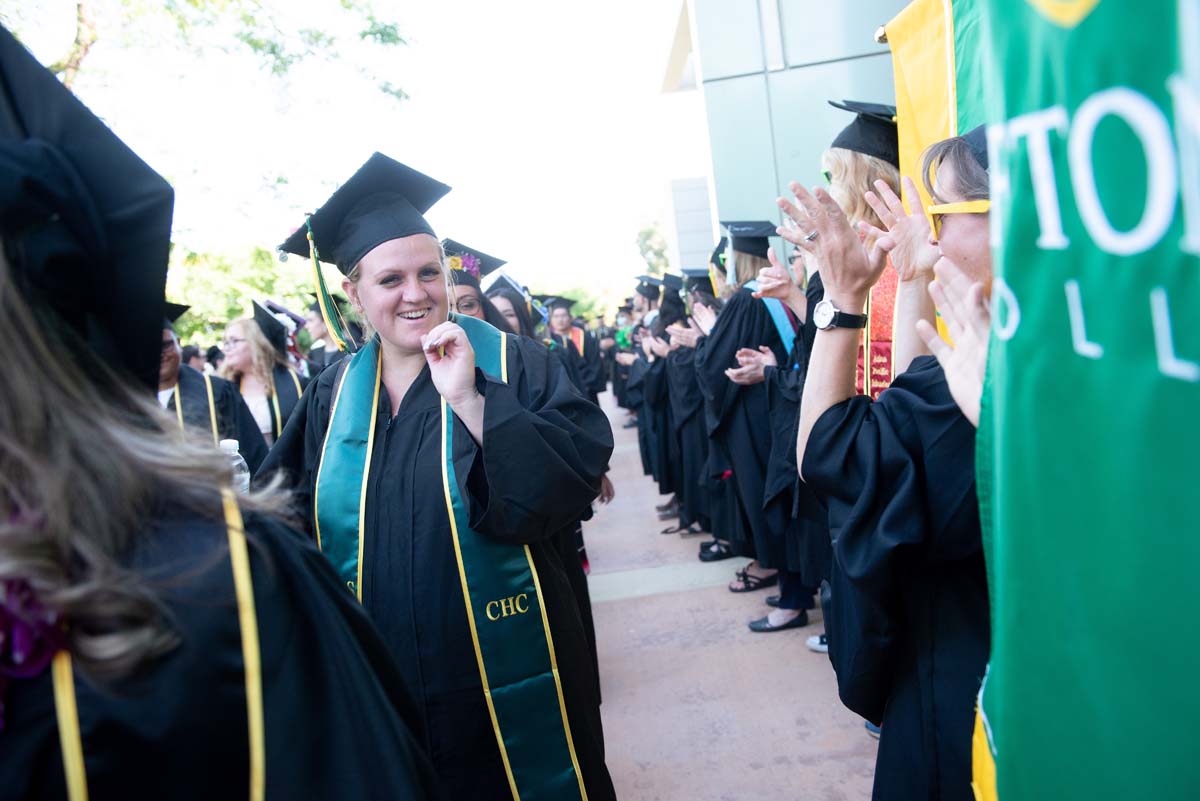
(451, 362)
(822, 229)
(968, 319)
(906, 239)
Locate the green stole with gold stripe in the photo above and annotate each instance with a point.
(500, 585)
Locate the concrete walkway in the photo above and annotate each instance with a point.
(695, 705)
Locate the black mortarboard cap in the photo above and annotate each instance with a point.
(873, 131)
(273, 328)
(342, 304)
(751, 237)
(555, 301)
(648, 287)
(86, 224)
(718, 254)
(673, 283)
(698, 280)
(384, 200)
(976, 140)
(475, 263)
(171, 313)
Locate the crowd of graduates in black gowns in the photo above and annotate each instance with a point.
(399, 608)
(735, 372)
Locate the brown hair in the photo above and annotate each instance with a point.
(263, 356)
(851, 175)
(970, 178)
(88, 462)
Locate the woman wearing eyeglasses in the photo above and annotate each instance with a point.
(907, 615)
(257, 364)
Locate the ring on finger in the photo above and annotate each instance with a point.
(812, 236)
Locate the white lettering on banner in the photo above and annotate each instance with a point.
(1006, 311)
(1083, 347)
(1035, 127)
(1164, 345)
(1187, 133)
(1154, 133)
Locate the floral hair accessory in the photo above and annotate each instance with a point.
(30, 635)
(467, 263)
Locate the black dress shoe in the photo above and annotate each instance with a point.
(773, 601)
(632, 423)
(716, 553)
(764, 623)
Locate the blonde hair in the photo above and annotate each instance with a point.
(746, 267)
(851, 174)
(88, 462)
(263, 356)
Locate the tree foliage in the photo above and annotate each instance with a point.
(653, 248)
(257, 26)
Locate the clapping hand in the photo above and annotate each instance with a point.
(751, 366)
(685, 336)
(704, 317)
(965, 310)
(774, 281)
(626, 359)
(659, 347)
(907, 236)
(822, 229)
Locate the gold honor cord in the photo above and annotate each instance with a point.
(212, 409)
(329, 313)
(239, 558)
(69, 739)
(278, 421)
(67, 711)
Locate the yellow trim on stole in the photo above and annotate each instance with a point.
(983, 765)
(69, 738)
(296, 381)
(362, 499)
(278, 427)
(487, 690)
(212, 409)
(337, 395)
(239, 558)
(462, 574)
(178, 405)
(562, 703)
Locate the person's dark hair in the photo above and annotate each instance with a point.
(214, 355)
(670, 312)
(518, 303)
(190, 352)
(971, 179)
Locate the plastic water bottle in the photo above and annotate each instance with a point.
(241, 470)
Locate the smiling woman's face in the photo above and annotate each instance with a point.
(401, 290)
(506, 310)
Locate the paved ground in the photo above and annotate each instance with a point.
(696, 707)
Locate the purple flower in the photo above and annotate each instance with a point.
(29, 635)
(470, 264)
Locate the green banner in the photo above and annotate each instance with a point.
(1088, 441)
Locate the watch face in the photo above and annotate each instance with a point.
(823, 314)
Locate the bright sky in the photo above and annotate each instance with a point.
(545, 116)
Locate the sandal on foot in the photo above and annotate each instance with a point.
(747, 582)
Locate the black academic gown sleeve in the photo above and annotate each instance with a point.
(592, 371)
(907, 609)
(333, 702)
(542, 420)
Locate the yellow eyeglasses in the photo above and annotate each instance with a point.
(939, 210)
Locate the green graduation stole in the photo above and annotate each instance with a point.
(500, 584)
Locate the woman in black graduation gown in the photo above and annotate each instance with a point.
(436, 488)
(256, 363)
(907, 617)
(159, 637)
(738, 418)
(208, 405)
